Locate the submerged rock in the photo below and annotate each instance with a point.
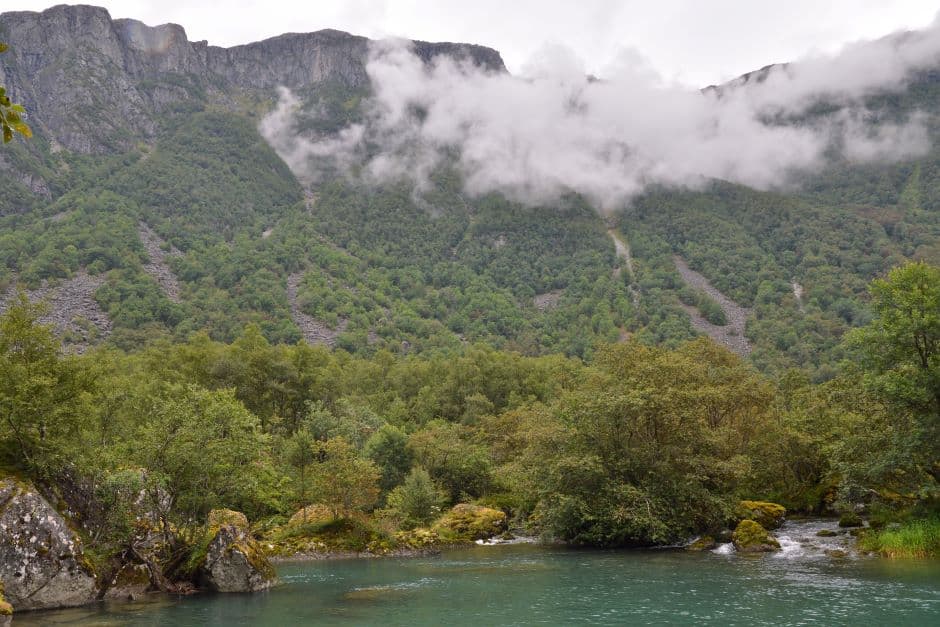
(41, 560)
(751, 537)
(826, 533)
(233, 560)
(768, 515)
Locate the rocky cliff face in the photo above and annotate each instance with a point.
(69, 62)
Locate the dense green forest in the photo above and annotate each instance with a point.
(639, 445)
(387, 268)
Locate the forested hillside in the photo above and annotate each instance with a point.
(180, 218)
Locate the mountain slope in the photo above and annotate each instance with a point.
(148, 175)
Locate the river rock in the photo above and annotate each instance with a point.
(465, 522)
(768, 515)
(751, 537)
(41, 560)
(826, 533)
(234, 561)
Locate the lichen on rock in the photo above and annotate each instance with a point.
(41, 561)
(233, 561)
(751, 537)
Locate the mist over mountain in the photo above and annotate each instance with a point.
(412, 196)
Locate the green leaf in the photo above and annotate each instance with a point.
(7, 133)
(4, 47)
(19, 108)
(23, 129)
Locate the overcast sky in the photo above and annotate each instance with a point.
(696, 42)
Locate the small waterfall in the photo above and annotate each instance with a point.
(724, 549)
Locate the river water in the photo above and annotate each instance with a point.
(537, 585)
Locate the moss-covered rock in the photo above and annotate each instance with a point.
(465, 523)
(704, 543)
(220, 517)
(311, 514)
(233, 561)
(826, 533)
(768, 515)
(850, 519)
(750, 537)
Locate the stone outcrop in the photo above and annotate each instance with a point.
(41, 560)
(233, 560)
(67, 56)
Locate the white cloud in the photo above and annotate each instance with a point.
(553, 129)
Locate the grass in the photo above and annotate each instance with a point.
(916, 538)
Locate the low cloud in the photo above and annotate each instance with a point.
(553, 129)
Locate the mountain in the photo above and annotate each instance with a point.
(148, 206)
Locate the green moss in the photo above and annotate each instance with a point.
(768, 515)
(751, 537)
(220, 517)
(342, 534)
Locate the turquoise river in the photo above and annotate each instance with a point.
(527, 584)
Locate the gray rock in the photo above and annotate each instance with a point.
(68, 56)
(41, 561)
(234, 561)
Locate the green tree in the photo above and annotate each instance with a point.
(417, 501)
(343, 481)
(901, 346)
(11, 114)
(203, 450)
(388, 448)
(43, 395)
(302, 452)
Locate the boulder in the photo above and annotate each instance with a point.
(826, 533)
(233, 561)
(751, 537)
(768, 515)
(41, 560)
(465, 523)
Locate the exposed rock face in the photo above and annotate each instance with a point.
(234, 561)
(41, 562)
(64, 58)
